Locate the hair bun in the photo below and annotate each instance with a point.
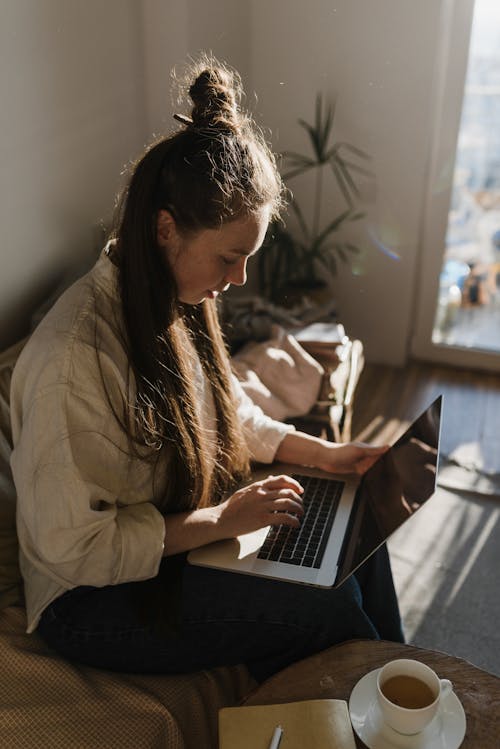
(216, 93)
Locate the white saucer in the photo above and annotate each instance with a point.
(445, 731)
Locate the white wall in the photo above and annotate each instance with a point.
(164, 44)
(85, 83)
(379, 58)
(175, 31)
(72, 114)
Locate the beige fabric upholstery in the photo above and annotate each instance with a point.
(10, 576)
(48, 702)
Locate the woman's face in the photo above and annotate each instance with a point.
(209, 261)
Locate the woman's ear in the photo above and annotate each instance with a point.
(166, 229)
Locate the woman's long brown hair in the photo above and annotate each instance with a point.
(214, 170)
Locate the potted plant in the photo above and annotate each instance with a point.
(294, 263)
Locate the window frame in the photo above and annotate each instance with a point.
(452, 58)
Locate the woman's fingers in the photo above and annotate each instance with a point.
(287, 505)
(283, 518)
(283, 498)
(283, 481)
(284, 507)
(273, 501)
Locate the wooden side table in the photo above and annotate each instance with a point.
(333, 673)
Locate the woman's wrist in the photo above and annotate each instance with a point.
(188, 530)
(326, 456)
(303, 449)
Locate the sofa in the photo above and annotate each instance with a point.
(48, 702)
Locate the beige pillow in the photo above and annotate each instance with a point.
(11, 587)
(279, 375)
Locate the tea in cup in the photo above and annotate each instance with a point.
(409, 694)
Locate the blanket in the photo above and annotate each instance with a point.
(46, 701)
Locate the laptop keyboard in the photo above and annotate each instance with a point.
(305, 546)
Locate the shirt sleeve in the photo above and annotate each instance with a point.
(70, 470)
(263, 434)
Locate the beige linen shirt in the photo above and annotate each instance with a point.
(85, 513)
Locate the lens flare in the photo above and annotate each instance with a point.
(381, 246)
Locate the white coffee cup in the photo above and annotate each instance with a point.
(424, 700)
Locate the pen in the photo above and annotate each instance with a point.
(276, 738)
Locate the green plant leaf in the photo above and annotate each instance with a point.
(351, 185)
(313, 135)
(298, 158)
(297, 172)
(341, 253)
(335, 224)
(332, 153)
(324, 125)
(353, 149)
(287, 258)
(318, 125)
(329, 262)
(342, 185)
(317, 247)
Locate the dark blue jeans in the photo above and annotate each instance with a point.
(223, 619)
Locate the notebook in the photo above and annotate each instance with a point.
(309, 724)
(346, 519)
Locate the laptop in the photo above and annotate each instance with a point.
(345, 519)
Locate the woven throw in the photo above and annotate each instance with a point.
(46, 701)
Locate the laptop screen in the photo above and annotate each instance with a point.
(392, 490)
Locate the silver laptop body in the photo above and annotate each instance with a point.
(368, 510)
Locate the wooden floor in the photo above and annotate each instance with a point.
(388, 398)
(444, 559)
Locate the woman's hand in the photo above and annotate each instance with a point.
(304, 449)
(274, 501)
(352, 457)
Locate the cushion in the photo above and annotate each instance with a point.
(10, 576)
(279, 375)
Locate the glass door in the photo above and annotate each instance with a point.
(459, 315)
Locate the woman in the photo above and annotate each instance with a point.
(131, 436)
